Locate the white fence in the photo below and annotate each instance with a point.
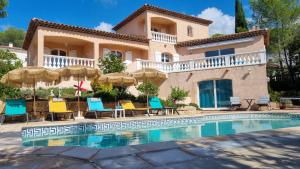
(242, 59)
(163, 37)
(55, 62)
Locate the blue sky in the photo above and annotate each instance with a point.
(102, 14)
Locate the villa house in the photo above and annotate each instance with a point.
(211, 68)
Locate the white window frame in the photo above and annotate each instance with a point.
(58, 51)
(164, 57)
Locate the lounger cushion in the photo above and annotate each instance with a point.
(58, 106)
(15, 107)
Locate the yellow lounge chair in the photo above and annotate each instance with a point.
(128, 105)
(59, 106)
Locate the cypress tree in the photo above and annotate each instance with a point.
(240, 20)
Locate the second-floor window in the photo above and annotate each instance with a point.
(221, 52)
(118, 54)
(165, 57)
(190, 31)
(58, 52)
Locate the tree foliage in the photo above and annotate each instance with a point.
(282, 17)
(148, 88)
(111, 64)
(178, 94)
(8, 62)
(240, 20)
(3, 5)
(216, 35)
(13, 35)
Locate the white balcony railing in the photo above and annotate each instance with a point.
(163, 37)
(243, 59)
(55, 62)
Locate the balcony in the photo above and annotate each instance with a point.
(163, 37)
(55, 62)
(243, 59)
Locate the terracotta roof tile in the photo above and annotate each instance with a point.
(34, 23)
(162, 11)
(263, 32)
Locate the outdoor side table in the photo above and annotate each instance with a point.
(249, 101)
(121, 111)
(168, 109)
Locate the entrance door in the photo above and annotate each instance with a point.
(215, 94)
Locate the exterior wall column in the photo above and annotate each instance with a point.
(40, 49)
(96, 53)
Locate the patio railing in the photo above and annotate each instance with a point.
(55, 62)
(243, 59)
(163, 37)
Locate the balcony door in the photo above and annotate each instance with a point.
(215, 94)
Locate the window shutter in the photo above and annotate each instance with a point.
(105, 52)
(128, 57)
(158, 56)
(73, 53)
(175, 58)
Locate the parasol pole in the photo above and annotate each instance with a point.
(78, 98)
(34, 105)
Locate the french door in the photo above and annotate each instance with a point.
(215, 94)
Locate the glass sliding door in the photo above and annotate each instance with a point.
(224, 92)
(207, 99)
(214, 94)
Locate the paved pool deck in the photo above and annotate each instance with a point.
(266, 149)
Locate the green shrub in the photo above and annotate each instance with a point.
(148, 88)
(111, 64)
(178, 94)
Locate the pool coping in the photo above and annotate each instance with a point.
(53, 131)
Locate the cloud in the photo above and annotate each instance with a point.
(103, 26)
(222, 23)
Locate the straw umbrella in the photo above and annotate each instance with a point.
(149, 74)
(29, 77)
(118, 79)
(78, 73)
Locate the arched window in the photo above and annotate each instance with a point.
(190, 31)
(118, 54)
(166, 57)
(58, 52)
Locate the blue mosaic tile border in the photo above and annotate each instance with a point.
(81, 128)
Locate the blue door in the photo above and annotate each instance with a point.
(223, 92)
(207, 98)
(215, 93)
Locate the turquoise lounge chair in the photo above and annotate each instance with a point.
(14, 107)
(155, 104)
(95, 105)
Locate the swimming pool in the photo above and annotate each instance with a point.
(122, 133)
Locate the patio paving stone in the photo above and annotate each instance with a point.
(156, 146)
(52, 150)
(127, 162)
(81, 152)
(114, 152)
(167, 156)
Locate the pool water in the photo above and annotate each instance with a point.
(123, 138)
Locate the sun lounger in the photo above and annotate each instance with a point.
(59, 106)
(14, 107)
(155, 105)
(127, 105)
(95, 105)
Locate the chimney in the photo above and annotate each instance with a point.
(10, 44)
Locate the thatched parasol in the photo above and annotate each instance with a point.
(78, 73)
(29, 77)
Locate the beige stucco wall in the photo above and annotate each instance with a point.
(135, 26)
(253, 46)
(36, 49)
(199, 30)
(247, 81)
